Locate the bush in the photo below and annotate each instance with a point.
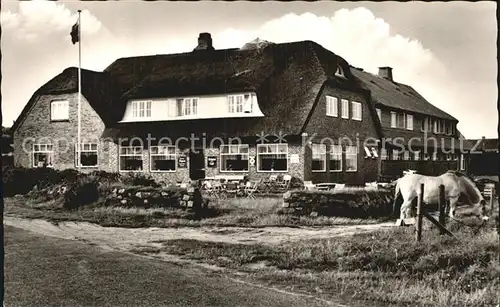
(82, 192)
(18, 180)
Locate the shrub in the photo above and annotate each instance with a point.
(18, 180)
(82, 192)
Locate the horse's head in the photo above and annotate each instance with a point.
(475, 197)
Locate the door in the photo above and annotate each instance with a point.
(196, 164)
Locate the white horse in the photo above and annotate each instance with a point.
(456, 185)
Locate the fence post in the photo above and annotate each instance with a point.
(442, 206)
(419, 213)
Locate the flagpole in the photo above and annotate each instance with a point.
(78, 146)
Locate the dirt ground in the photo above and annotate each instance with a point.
(126, 239)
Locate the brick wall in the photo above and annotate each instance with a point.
(327, 129)
(37, 127)
(182, 174)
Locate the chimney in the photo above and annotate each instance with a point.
(204, 42)
(385, 72)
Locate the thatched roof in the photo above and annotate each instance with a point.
(95, 88)
(287, 79)
(397, 95)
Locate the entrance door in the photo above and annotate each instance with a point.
(196, 164)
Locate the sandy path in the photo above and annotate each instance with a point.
(129, 238)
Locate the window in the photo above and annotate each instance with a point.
(335, 163)
(332, 106)
(416, 155)
(379, 114)
(439, 126)
(401, 120)
(345, 108)
(434, 156)
(351, 158)
(234, 158)
(450, 128)
(409, 121)
(449, 157)
(272, 157)
(356, 110)
(462, 162)
(130, 158)
(59, 110)
(339, 72)
(383, 154)
(393, 120)
(86, 155)
(187, 106)
(396, 155)
(43, 155)
(406, 155)
(318, 157)
(141, 109)
(235, 103)
(163, 158)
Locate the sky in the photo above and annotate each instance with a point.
(445, 50)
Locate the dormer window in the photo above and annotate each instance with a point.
(339, 72)
(141, 109)
(235, 103)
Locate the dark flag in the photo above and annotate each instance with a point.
(75, 35)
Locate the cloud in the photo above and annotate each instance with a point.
(36, 20)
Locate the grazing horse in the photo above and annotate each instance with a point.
(456, 185)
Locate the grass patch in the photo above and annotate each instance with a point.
(385, 266)
(260, 212)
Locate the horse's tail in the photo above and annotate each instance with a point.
(397, 198)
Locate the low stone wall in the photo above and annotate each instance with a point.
(146, 197)
(357, 204)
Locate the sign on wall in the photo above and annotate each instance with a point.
(182, 162)
(212, 161)
(294, 159)
(251, 160)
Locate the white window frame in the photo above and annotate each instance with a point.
(357, 108)
(434, 156)
(236, 103)
(409, 122)
(276, 152)
(318, 152)
(394, 119)
(120, 155)
(379, 114)
(162, 151)
(332, 106)
(406, 155)
(230, 153)
(89, 149)
(187, 103)
(345, 108)
(349, 153)
(141, 109)
(43, 148)
(59, 110)
(335, 151)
